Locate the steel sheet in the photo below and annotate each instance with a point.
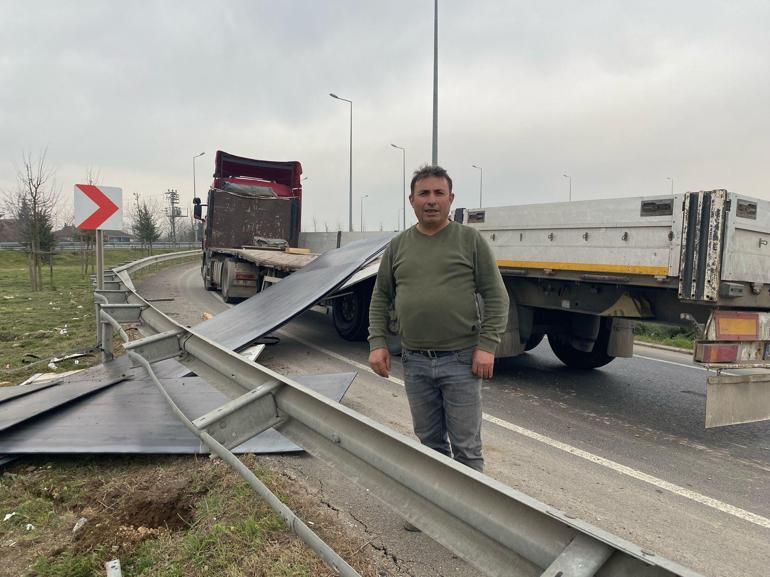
(268, 310)
(132, 417)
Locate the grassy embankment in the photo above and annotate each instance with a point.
(160, 515)
(672, 336)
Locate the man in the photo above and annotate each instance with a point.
(431, 274)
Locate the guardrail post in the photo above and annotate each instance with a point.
(106, 340)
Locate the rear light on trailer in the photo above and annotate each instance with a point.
(734, 326)
(716, 353)
(245, 276)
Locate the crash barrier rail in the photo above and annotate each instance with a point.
(108, 245)
(497, 529)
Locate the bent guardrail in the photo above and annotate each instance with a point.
(497, 529)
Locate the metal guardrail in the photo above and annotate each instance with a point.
(499, 530)
(116, 245)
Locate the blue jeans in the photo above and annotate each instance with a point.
(445, 400)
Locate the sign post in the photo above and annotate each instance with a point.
(99, 208)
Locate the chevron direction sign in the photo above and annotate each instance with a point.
(98, 207)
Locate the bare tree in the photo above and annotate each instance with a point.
(33, 204)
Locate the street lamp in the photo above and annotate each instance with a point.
(195, 195)
(435, 83)
(350, 179)
(570, 185)
(481, 183)
(672, 184)
(363, 196)
(403, 171)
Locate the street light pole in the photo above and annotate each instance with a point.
(195, 195)
(350, 178)
(672, 184)
(570, 185)
(403, 171)
(363, 196)
(435, 83)
(481, 184)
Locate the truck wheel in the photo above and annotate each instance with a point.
(533, 340)
(207, 283)
(577, 359)
(351, 312)
(226, 283)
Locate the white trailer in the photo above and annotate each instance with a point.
(583, 272)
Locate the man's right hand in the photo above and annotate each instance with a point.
(379, 360)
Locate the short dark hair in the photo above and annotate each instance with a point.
(428, 170)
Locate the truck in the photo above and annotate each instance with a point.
(251, 237)
(252, 225)
(582, 274)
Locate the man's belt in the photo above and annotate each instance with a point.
(430, 354)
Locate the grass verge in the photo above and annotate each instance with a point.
(161, 516)
(50, 323)
(672, 336)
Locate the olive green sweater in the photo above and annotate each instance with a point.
(432, 282)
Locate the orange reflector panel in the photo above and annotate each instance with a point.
(716, 353)
(737, 326)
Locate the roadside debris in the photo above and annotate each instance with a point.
(79, 525)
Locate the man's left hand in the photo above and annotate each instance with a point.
(483, 363)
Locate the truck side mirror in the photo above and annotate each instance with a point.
(197, 208)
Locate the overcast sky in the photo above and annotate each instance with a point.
(618, 95)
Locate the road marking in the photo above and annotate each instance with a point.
(685, 365)
(617, 467)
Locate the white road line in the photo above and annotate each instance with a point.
(685, 365)
(617, 467)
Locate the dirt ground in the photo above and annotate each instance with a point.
(114, 507)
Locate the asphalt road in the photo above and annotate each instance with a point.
(622, 447)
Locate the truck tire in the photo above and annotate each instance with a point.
(577, 359)
(208, 284)
(225, 284)
(351, 312)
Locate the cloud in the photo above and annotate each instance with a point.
(618, 96)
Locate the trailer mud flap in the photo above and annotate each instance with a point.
(734, 399)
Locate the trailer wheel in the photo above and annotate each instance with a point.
(533, 340)
(351, 312)
(577, 359)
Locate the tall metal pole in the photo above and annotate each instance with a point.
(350, 178)
(403, 173)
(481, 184)
(672, 184)
(435, 84)
(195, 195)
(363, 196)
(570, 185)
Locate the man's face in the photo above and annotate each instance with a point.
(431, 201)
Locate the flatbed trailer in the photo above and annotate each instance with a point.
(244, 272)
(583, 272)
